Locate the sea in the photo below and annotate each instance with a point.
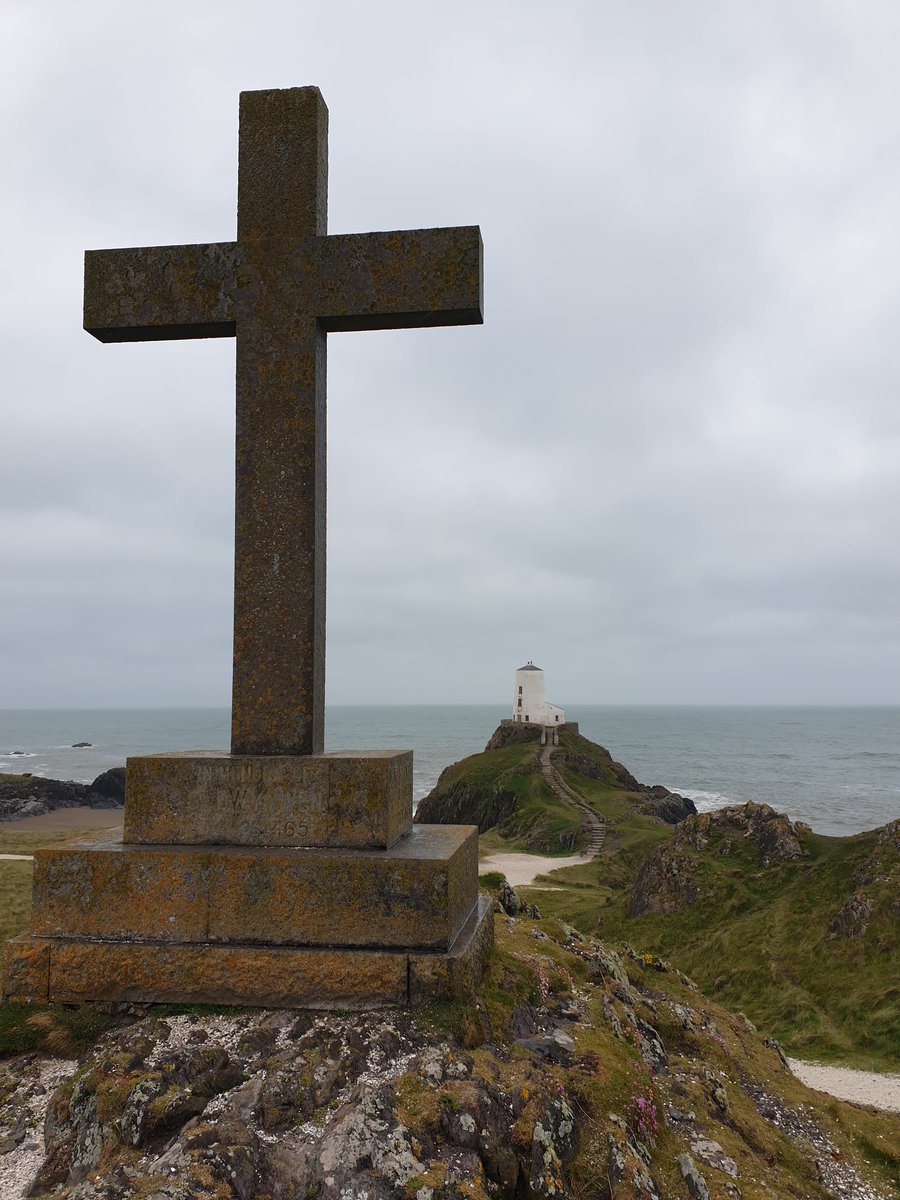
(836, 768)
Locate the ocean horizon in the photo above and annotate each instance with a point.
(837, 768)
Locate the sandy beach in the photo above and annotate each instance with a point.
(69, 818)
(860, 1087)
(522, 869)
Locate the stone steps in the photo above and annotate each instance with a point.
(559, 787)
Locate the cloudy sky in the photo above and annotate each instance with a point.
(666, 468)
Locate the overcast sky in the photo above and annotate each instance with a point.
(666, 468)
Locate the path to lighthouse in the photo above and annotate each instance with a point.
(522, 869)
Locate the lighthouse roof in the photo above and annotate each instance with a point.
(529, 667)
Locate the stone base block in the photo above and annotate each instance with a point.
(349, 798)
(417, 895)
(74, 971)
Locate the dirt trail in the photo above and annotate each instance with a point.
(522, 869)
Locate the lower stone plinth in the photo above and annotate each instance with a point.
(74, 971)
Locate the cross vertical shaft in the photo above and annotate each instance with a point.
(278, 687)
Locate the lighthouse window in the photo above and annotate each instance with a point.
(520, 691)
(520, 702)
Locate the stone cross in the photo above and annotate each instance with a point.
(278, 290)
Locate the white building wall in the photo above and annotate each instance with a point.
(529, 703)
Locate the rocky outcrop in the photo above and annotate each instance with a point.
(31, 795)
(283, 1105)
(513, 733)
(853, 918)
(666, 883)
(477, 797)
(655, 800)
(775, 837)
(468, 803)
(580, 1072)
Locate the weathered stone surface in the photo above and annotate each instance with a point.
(278, 289)
(27, 970)
(76, 970)
(457, 972)
(349, 798)
(270, 976)
(418, 894)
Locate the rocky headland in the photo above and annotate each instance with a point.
(503, 788)
(32, 795)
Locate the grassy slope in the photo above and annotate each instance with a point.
(608, 1070)
(760, 940)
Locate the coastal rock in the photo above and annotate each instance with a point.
(477, 790)
(32, 795)
(668, 880)
(110, 786)
(772, 833)
(464, 803)
(656, 800)
(666, 883)
(427, 1104)
(513, 733)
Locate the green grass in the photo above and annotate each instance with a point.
(15, 841)
(56, 1029)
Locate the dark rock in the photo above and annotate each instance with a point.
(509, 901)
(696, 1184)
(465, 803)
(32, 795)
(80, 745)
(555, 1047)
(513, 733)
(135, 1114)
(111, 784)
(523, 1021)
(665, 883)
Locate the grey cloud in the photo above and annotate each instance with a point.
(666, 465)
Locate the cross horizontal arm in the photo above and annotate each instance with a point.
(160, 292)
(400, 280)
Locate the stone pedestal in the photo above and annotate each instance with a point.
(249, 879)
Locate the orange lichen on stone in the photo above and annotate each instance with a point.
(419, 893)
(346, 798)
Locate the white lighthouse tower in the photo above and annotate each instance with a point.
(529, 705)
